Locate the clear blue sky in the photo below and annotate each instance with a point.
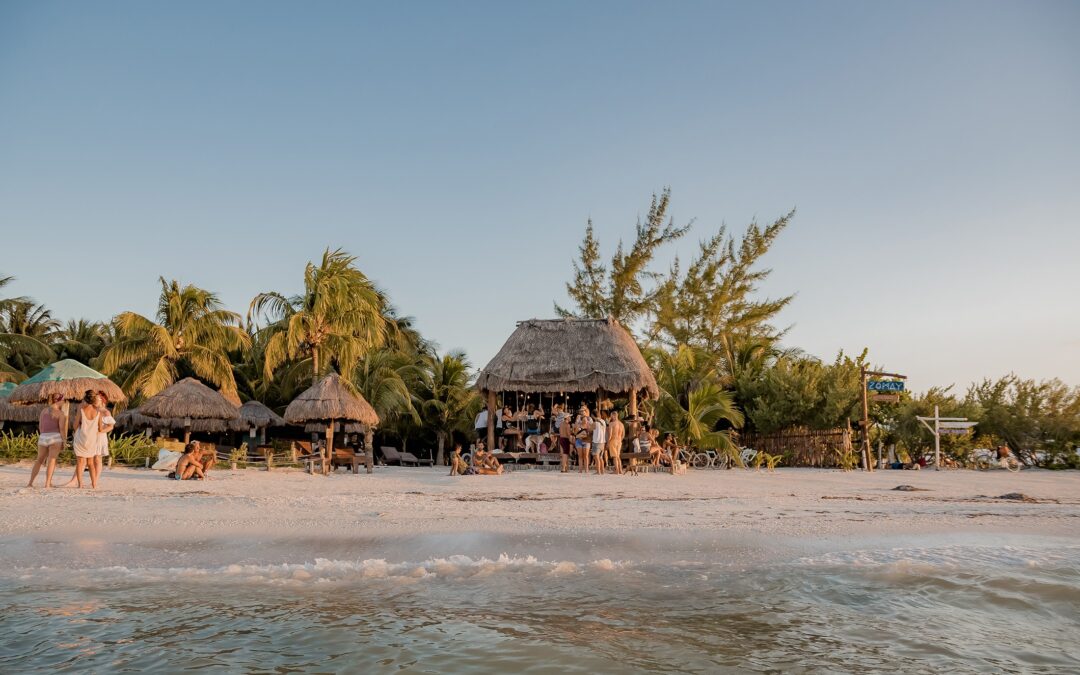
(458, 149)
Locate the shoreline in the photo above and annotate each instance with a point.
(136, 504)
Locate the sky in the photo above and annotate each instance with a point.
(931, 149)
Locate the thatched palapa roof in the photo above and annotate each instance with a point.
(16, 413)
(68, 378)
(257, 415)
(569, 355)
(190, 399)
(331, 399)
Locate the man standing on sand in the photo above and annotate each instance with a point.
(599, 443)
(616, 432)
(565, 433)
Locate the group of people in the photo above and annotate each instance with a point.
(594, 441)
(194, 463)
(90, 441)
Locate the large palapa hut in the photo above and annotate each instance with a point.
(596, 356)
(189, 401)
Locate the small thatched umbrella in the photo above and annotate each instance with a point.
(329, 400)
(197, 405)
(256, 417)
(15, 413)
(69, 378)
(567, 355)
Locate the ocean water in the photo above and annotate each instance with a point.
(490, 604)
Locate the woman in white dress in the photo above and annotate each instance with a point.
(87, 440)
(107, 424)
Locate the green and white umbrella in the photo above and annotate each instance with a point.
(68, 378)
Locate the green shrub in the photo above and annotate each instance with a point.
(17, 447)
(133, 450)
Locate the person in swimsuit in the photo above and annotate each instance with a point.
(188, 467)
(52, 428)
(458, 465)
(87, 440)
(616, 434)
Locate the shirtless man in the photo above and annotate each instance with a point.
(616, 432)
(189, 466)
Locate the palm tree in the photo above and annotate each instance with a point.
(191, 331)
(81, 340)
(386, 380)
(25, 330)
(334, 322)
(448, 401)
(693, 406)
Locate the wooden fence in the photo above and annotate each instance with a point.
(801, 446)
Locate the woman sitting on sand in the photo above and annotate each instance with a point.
(52, 428)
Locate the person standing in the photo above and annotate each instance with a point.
(52, 429)
(599, 443)
(481, 423)
(87, 441)
(616, 432)
(107, 424)
(583, 428)
(565, 433)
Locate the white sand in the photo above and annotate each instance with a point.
(402, 501)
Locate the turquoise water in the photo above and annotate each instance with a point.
(631, 604)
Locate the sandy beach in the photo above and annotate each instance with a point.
(787, 503)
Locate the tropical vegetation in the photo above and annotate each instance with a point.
(712, 338)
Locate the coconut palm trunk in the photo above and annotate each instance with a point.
(441, 456)
(329, 451)
(369, 448)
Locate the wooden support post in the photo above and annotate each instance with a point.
(369, 448)
(866, 452)
(491, 421)
(329, 450)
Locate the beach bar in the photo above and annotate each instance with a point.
(567, 356)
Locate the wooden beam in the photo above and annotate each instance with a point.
(491, 421)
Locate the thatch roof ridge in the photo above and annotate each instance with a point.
(331, 399)
(69, 378)
(569, 355)
(189, 398)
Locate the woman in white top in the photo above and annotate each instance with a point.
(107, 424)
(87, 442)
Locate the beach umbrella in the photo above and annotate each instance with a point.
(68, 378)
(15, 413)
(330, 400)
(196, 406)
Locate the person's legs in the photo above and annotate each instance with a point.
(95, 470)
(583, 457)
(80, 466)
(42, 457)
(207, 462)
(600, 462)
(616, 460)
(50, 468)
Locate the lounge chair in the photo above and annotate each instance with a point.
(394, 456)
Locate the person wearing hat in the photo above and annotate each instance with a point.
(583, 430)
